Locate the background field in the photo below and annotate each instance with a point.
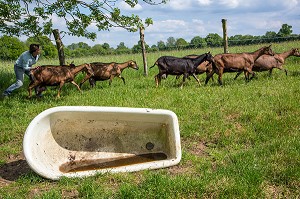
(240, 140)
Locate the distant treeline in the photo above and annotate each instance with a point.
(12, 47)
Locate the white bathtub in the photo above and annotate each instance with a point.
(78, 141)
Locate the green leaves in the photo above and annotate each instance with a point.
(132, 3)
(30, 18)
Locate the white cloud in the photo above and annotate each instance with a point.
(126, 7)
(179, 4)
(204, 2)
(230, 3)
(167, 26)
(267, 24)
(199, 27)
(57, 22)
(290, 3)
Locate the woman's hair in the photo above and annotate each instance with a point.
(33, 47)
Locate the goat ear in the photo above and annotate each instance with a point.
(270, 45)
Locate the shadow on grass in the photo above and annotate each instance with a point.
(294, 73)
(13, 170)
(6, 79)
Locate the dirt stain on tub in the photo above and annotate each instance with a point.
(86, 165)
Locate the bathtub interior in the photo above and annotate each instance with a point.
(73, 142)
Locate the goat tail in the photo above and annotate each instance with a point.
(153, 65)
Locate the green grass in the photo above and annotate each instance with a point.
(240, 140)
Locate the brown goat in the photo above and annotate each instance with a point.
(49, 75)
(107, 71)
(268, 63)
(235, 62)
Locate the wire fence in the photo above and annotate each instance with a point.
(234, 42)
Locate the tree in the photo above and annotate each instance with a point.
(84, 45)
(78, 49)
(170, 42)
(75, 46)
(34, 18)
(181, 43)
(214, 40)
(107, 48)
(270, 34)
(48, 49)
(198, 42)
(153, 48)
(72, 46)
(235, 40)
(122, 49)
(285, 30)
(30, 18)
(79, 52)
(11, 48)
(98, 50)
(161, 45)
(138, 47)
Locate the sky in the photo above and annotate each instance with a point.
(189, 18)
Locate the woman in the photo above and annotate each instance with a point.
(23, 66)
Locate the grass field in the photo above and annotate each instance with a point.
(240, 140)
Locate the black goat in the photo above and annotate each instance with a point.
(169, 65)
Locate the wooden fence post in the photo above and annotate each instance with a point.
(225, 39)
(59, 46)
(142, 36)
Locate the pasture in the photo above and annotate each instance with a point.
(239, 140)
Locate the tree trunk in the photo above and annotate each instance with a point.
(59, 46)
(143, 50)
(225, 39)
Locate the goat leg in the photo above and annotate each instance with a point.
(157, 79)
(110, 80)
(220, 78)
(196, 79)
(246, 73)
(74, 83)
(29, 91)
(253, 75)
(238, 74)
(270, 72)
(30, 87)
(59, 89)
(122, 79)
(185, 75)
(87, 77)
(281, 68)
(208, 76)
(92, 82)
(220, 73)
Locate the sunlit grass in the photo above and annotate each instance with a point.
(240, 140)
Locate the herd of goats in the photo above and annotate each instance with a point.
(263, 59)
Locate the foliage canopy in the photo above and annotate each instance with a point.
(35, 17)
